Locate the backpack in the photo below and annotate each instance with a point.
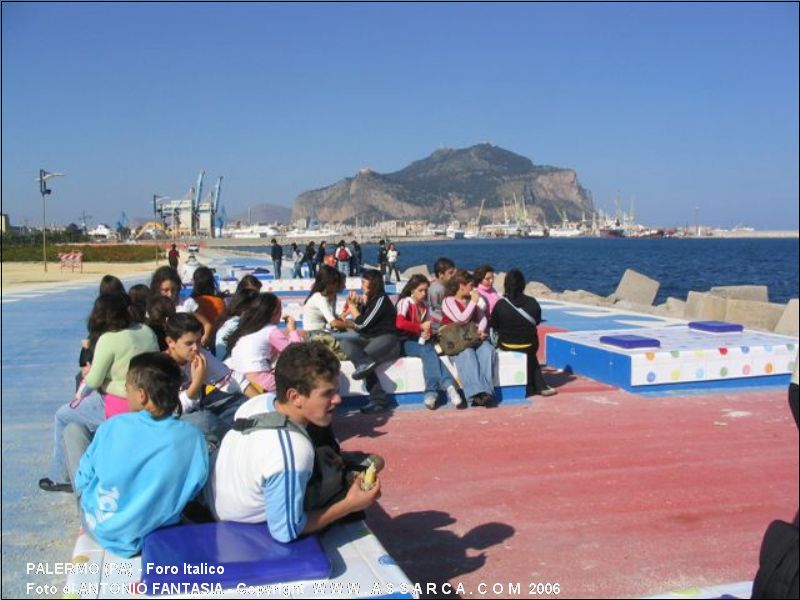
(328, 483)
(342, 255)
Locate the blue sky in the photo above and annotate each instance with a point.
(677, 106)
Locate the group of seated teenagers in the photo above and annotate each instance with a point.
(152, 374)
(371, 329)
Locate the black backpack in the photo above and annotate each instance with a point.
(778, 562)
(328, 482)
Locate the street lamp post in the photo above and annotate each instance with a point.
(156, 212)
(44, 176)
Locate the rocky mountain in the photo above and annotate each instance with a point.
(451, 184)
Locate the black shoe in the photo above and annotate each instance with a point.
(363, 371)
(479, 400)
(48, 485)
(373, 408)
(485, 400)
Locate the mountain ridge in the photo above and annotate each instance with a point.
(451, 184)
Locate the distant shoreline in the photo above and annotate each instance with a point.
(373, 239)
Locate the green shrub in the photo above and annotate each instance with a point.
(98, 253)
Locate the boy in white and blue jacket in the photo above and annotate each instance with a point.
(142, 467)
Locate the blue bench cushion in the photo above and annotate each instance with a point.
(247, 552)
(715, 326)
(630, 341)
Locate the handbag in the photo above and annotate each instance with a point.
(331, 342)
(454, 338)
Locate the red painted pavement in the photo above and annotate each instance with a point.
(604, 492)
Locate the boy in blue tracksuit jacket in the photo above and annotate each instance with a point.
(142, 467)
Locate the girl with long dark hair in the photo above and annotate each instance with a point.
(257, 342)
(414, 323)
(115, 338)
(373, 320)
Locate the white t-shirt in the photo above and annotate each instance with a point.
(318, 312)
(251, 353)
(261, 476)
(187, 306)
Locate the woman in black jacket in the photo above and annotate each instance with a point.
(377, 341)
(515, 318)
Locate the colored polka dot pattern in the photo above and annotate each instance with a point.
(688, 356)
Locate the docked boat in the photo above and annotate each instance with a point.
(455, 233)
(250, 232)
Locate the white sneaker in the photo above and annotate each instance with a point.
(454, 396)
(430, 401)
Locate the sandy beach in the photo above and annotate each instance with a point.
(31, 276)
(24, 276)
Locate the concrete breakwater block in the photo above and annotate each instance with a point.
(500, 282)
(673, 307)
(536, 289)
(584, 297)
(636, 288)
(756, 293)
(702, 306)
(416, 269)
(787, 324)
(755, 315)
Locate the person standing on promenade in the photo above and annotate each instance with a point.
(382, 263)
(343, 256)
(391, 260)
(297, 258)
(309, 257)
(443, 269)
(276, 252)
(319, 259)
(515, 318)
(355, 259)
(173, 256)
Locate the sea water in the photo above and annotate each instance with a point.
(596, 265)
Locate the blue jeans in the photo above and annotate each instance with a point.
(475, 368)
(89, 413)
(77, 438)
(436, 375)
